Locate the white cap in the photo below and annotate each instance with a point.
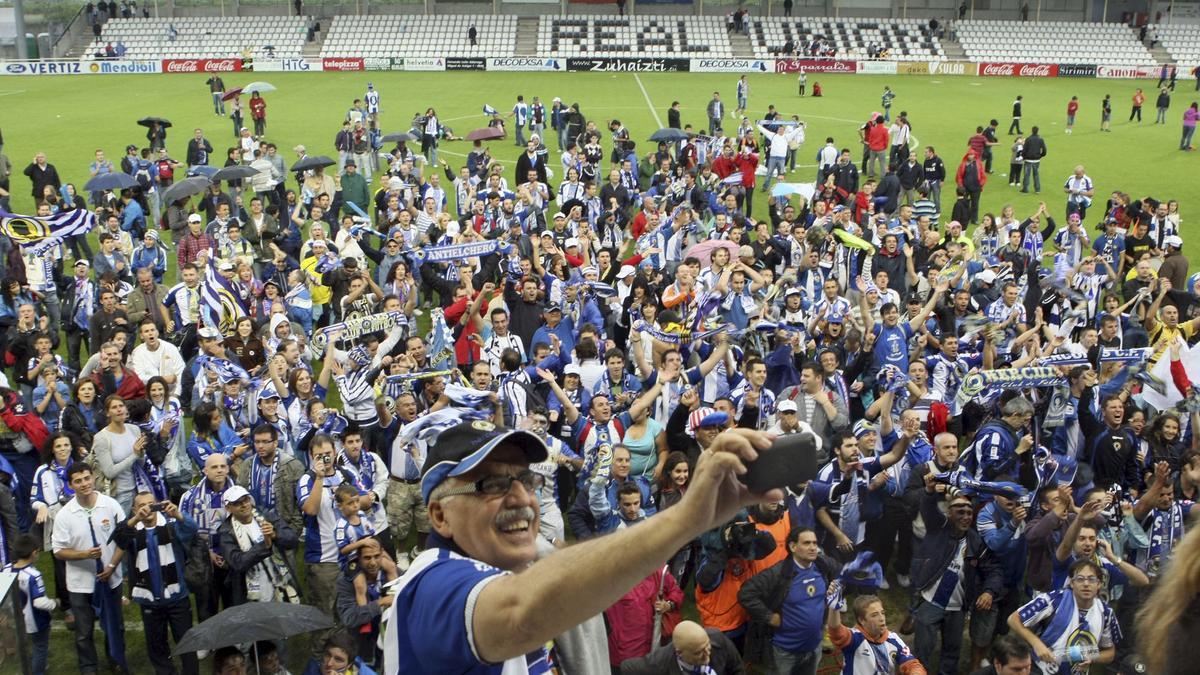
(986, 276)
(452, 229)
(572, 369)
(626, 271)
(571, 242)
(233, 494)
(195, 218)
(786, 405)
(1173, 240)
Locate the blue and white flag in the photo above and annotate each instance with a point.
(467, 397)
(31, 229)
(334, 423)
(36, 234)
(441, 343)
(457, 251)
(226, 371)
(221, 304)
(488, 110)
(426, 428)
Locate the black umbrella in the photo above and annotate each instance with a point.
(111, 181)
(403, 137)
(251, 622)
(185, 188)
(668, 135)
(151, 121)
(312, 163)
(236, 172)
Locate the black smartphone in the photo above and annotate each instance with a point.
(157, 506)
(791, 459)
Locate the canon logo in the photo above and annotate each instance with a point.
(1006, 69)
(1117, 72)
(220, 66)
(1040, 70)
(189, 66)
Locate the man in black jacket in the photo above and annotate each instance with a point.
(786, 604)
(701, 650)
(255, 551)
(198, 149)
(935, 175)
(952, 571)
(1035, 150)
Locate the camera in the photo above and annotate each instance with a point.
(157, 506)
(744, 540)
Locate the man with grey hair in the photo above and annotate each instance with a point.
(999, 444)
(477, 597)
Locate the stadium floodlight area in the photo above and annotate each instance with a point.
(846, 38)
(1052, 42)
(411, 36)
(205, 37)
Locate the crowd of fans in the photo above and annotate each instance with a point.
(616, 333)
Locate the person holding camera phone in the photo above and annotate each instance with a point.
(155, 538)
(315, 492)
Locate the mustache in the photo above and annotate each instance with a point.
(509, 516)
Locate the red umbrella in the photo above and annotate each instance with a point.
(485, 134)
(231, 94)
(704, 250)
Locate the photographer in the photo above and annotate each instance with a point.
(315, 491)
(727, 560)
(155, 539)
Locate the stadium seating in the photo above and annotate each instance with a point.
(905, 39)
(661, 36)
(206, 37)
(1052, 42)
(1182, 42)
(401, 36)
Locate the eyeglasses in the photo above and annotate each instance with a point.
(498, 485)
(1087, 579)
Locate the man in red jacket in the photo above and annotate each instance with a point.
(114, 378)
(878, 144)
(747, 163)
(971, 178)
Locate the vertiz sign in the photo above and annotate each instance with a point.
(1018, 69)
(814, 66)
(201, 65)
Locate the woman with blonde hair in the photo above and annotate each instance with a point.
(1171, 616)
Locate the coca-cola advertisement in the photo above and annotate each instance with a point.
(201, 65)
(1018, 69)
(814, 66)
(349, 63)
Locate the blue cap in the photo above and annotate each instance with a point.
(466, 445)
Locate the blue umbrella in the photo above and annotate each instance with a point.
(110, 181)
(667, 135)
(206, 171)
